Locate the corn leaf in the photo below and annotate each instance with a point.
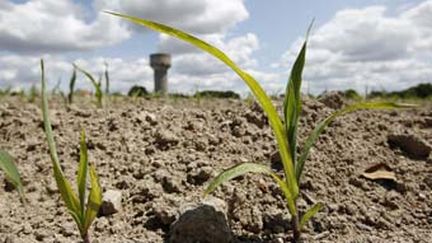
(310, 213)
(72, 86)
(8, 166)
(68, 195)
(78, 220)
(107, 80)
(292, 102)
(94, 199)
(244, 168)
(257, 90)
(96, 85)
(82, 173)
(313, 137)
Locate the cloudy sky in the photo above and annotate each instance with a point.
(379, 44)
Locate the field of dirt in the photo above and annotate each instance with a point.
(161, 153)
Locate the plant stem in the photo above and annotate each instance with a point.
(295, 225)
(86, 238)
(295, 228)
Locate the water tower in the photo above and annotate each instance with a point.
(160, 62)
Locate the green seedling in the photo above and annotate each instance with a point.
(57, 89)
(82, 211)
(96, 84)
(72, 86)
(33, 93)
(285, 129)
(12, 175)
(107, 80)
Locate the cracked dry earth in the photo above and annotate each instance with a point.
(161, 153)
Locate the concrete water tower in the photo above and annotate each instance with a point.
(160, 62)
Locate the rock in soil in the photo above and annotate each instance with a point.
(111, 203)
(205, 222)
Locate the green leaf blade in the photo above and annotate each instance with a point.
(309, 214)
(241, 169)
(107, 79)
(72, 86)
(11, 171)
(97, 85)
(82, 173)
(257, 90)
(94, 200)
(68, 195)
(292, 102)
(313, 137)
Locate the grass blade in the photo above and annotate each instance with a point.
(313, 137)
(82, 173)
(8, 166)
(257, 90)
(94, 199)
(68, 195)
(310, 213)
(244, 168)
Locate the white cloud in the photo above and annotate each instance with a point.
(368, 47)
(240, 49)
(199, 17)
(421, 17)
(47, 26)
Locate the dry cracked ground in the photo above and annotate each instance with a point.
(155, 157)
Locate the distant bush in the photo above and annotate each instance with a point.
(377, 94)
(421, 91)
(351, 94)
(217, 94)
(137, 91)
(117, 94)
(17, 91)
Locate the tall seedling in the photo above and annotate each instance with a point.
(285, 129)
(96, 84)
(72, 86)
(82, 211)
(107, 79)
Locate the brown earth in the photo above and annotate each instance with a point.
(162, 153)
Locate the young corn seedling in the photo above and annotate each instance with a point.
(107, 80)
(285, 129)
(72, 86)
(33, 93)
(82, 211)
(96, 84)
(9, 168)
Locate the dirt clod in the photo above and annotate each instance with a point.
(413, 146)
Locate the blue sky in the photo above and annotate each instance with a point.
(383, 44)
